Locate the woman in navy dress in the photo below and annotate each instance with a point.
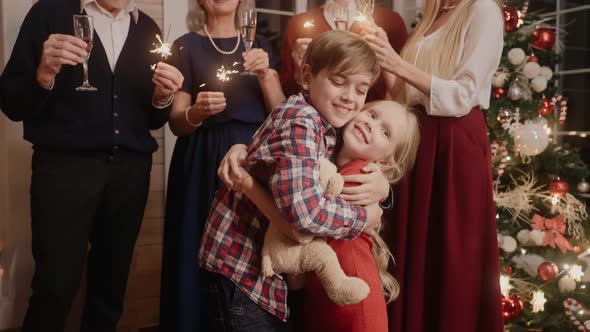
(208, 116)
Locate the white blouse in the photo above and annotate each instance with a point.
(471, 84)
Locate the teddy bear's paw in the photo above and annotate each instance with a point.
(350, 291)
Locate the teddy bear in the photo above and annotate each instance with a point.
(285, 250)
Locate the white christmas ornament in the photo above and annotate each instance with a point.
(536, 237)
(566, 284)
(539, 84)
(509, 244)
(546, 72)
(499, 79)
(530, 139)
(516, 56)
(531, 70)
(583, 186)
(575, 272)
(529, 263)
(523, 237)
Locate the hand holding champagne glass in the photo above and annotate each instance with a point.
(84, 29)
(247, 22)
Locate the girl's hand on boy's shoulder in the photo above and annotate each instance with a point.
(373, 186)
(230, 169)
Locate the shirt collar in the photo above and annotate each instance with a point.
(131, 8)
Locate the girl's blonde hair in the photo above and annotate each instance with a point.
(399, 163)
(448, 47)
(341, 51)
(197, 16)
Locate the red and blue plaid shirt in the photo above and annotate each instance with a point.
(284, 156)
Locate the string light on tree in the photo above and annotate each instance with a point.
(575, 272)
(505, 286)
(538, 301)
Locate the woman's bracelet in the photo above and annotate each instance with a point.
(188, 120)
(390, 205)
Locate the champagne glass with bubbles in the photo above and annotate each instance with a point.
(340, 14)
(84, 29)
(247, 22)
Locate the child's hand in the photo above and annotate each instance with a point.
(374, 213)
(372, 188)
(230, 170)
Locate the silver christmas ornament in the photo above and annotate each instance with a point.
(515, 93)
(583, 186)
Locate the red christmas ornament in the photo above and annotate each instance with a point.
(547, 108)
(508, 270)
(558, 187)
(499, 93)
(577, 250)
(533, 58)
(511, 307)
(544, 38)
(510, 18)
(547, 271)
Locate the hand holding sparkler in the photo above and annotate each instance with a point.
(167, 80)
(208, 103)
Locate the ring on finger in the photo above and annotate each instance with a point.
(206, 107)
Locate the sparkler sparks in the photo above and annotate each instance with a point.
(163, 49)
(225, 75)
(308, 24)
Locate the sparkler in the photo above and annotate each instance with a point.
(225, 75)
(163, 48)
(308, 24)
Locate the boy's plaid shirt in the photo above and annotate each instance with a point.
(283, 156)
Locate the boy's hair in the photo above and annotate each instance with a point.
(404, 154)
(400, 161)
(341, 51)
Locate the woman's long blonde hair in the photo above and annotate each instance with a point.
(448, 47)
(399, 163)
(197, 16)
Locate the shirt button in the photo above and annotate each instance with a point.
(116, 147)
(116, 115)
(116, 132)
(115, 97)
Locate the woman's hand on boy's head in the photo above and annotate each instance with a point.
(230, 169)
(387, 56)
(299, 49)
(373, 186)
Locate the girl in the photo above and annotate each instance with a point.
(386, 133)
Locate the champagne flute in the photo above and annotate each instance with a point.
(340, 14)
(366, 8)
(247, 22)
(84, 29)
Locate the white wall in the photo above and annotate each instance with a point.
(15, 166)
(174, 19)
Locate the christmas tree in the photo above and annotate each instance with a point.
(542, 218)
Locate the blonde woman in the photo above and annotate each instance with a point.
(208, 116)
(444, 231)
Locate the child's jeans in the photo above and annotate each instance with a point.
(234, 311)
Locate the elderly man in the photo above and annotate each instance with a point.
(92, 150)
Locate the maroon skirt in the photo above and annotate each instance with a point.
(442, 232)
